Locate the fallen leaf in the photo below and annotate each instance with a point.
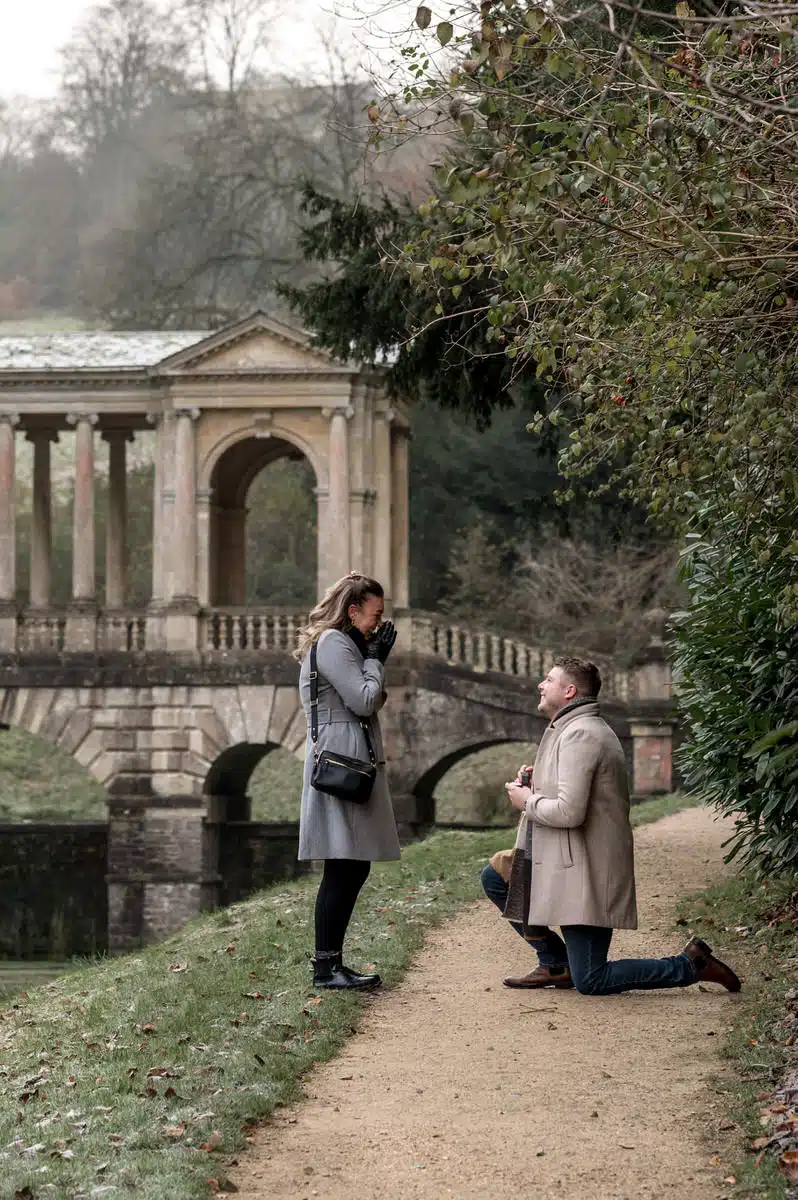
(789, 1164)
(162, 1073)
(177, 967)
(760, 1143)
(175, 1131)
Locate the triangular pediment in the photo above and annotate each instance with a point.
(257, 344)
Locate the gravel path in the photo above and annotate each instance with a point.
(456, 1086)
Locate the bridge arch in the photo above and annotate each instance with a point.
(64, 717)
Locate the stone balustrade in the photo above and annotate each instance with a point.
(251, 630)
(434, 635)
(223, 631)
(233, 629)
(124, 632)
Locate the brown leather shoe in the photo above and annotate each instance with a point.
(541, 977)
(710, 969)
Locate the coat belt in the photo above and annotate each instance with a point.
(336, 716)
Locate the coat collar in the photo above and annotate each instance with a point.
(585, 706)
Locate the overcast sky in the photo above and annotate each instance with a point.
(32, 31)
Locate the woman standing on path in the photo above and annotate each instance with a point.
(351, 648)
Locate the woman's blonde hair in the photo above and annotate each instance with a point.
(332, 612)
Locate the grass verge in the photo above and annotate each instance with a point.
(144, 1072)
(751, 924)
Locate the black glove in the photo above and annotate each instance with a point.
(382, 643)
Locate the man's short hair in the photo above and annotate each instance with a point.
(583, 674)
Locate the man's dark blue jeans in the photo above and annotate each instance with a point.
(584, 949)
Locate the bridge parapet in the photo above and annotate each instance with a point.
(251, 629)
(458, 644)
(237, 630)
(48, 632)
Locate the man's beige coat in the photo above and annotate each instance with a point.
(576, 828)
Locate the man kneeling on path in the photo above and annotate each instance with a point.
(573, 863)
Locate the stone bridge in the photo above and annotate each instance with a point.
(175, 738)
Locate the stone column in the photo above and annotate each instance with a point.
(156, 633)
(116, 523)
(181, 624)
(357, 480)
(81, 628)
(205, 546)
(322, 570)
(8, 533)
(41, 534)
(83, 573)
(338, 516)
(382, 552)
(400, 518)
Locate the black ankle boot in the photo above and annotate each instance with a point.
(329, 972)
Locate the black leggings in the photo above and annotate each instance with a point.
(339, 889)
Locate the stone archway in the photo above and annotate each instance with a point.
(233, 473)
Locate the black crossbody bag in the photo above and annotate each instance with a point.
(333, 773)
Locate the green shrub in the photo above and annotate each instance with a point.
(737, 680)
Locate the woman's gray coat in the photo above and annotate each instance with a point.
(350, 687)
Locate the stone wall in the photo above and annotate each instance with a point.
(254, 855)
(52, 890)
(55, 903)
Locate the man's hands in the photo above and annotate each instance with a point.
(382, 643)
(517, 793)
(517, 796)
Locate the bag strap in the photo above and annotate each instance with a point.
(314, 709)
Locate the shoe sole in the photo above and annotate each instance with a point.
(537, 987)
(346, 987)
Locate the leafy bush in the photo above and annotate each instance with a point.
(737, 678)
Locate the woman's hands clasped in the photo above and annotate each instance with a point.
(382, 643)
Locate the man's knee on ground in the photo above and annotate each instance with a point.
(589, 985)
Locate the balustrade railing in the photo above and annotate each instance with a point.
(41, 632)
(126, 632)
(482, 650)
(432, 635)
(251, 629)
